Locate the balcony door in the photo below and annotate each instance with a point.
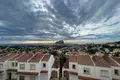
(10, 76)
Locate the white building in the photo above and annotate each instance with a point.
(35, 67)
(55, 69)
(26, 66)
(4, 66)
(86, 67)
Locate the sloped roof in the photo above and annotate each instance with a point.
(73, 58)
(46, 58)
(110, 61)
(7, 57)
(25, 57)
(37, 57)
(116, 59)
(99, 61)
(84, 60)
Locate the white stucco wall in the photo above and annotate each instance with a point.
(91, 70)
(70, 67)
(112, 73)
(73, 77)
(43, 76)
(98, 73)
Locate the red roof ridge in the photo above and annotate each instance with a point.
(99, 61)
(115, 60)
(7, 57)
(32, 57)
(46, 57)
(13, 56)
(110, 61)
(37, 57)
(25, 57)
(19, 57)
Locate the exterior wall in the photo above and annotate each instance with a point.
(70, 67)
(106, 76)
(9, 64)
(113, 75)
(91, 71)
(48, 66)
(26, 67)
(37, 69)
(26, 77)
(44, 77)
(13, 75)
(73, 77)
(4, 68)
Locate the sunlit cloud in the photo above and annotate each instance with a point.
(53, 20)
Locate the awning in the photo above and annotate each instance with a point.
(43, 71)
(28, 73)
(12, 70)
(87, 78)
(73, 73)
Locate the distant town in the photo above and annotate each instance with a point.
(60, 61)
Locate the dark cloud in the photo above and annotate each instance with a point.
(58, 19)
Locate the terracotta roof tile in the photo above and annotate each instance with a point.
(56, 64)
(110, 61)
(25, 57)
(7, 57)
(99, 61)
(37, 57)
(2, 55)
(66, 65)
(85, 60)
(46, 58)
(116, 59)
(73, 58)
(13, 59)
(27, 73)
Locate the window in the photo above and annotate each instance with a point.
(12, 64)
(104, 73)
(54, 74)
(22, 66)
(22, 77)
(1, 66)
(86, 71)
(116, 72)
(73, 66)
(44, 65)
(16, 64)
(32, 66)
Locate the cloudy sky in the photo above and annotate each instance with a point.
(30, 21)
